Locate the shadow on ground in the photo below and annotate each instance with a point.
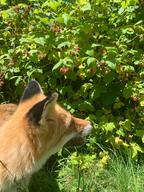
(46, 179)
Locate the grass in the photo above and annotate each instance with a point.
(119, 176)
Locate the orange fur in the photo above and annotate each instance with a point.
(6, 110)
(25, 146)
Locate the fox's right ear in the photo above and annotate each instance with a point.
(33, 88)
(38, 113)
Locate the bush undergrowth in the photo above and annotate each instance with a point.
(91, 52)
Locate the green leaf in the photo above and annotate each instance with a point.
(64, 44)
(120, 132)
(52, 4)
(86, 7)
(3, 2)
(143, 138)
(58, 64)
(140, 133)
(91, 60)
(96, 45)
(66, 18)
(5, 14)
(127, 124)
(108, 78)
(96, 91)
(111, 64)
(63, 62)
(44, 20)
(129, 68)
(40, 40)
(109, 127)
(142, 102)
(128, 90)
(18, 80)
(90, 52)
(1, 61)
(86, 105)
(135, 149)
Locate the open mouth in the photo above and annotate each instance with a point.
(79, 139)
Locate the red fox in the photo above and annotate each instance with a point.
(31, 132)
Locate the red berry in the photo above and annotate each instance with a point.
(64, 70)
(135, 99)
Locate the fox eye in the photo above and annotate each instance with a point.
(50, 120)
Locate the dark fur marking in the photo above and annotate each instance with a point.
(35, 113)
(32, 89)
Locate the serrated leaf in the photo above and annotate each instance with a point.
(109, 127)
(127, 124)
(37, 11)
(120, 132)
(66, 18)
(135, 149)
(129, 68)
(111, 64)
(19, 78)
(52, 4)
(91, 60)
(40, 40)
(64, 44)
(90, 52)
(86, 7)
(44, 20)
(58, 64)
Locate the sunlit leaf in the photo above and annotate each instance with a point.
(86, 7)
(40, 40)
(108, 127)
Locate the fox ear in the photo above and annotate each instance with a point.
(33, 88)
(42, 109)
(49, 107)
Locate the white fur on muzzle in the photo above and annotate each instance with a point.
(86, 130)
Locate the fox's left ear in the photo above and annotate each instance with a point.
(33, 88)
(38, 113)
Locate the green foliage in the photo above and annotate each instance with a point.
(91, 52)
(95, 178)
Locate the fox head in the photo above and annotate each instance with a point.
(47, 123)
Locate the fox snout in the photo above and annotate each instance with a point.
(82, 127)
(87, 129)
